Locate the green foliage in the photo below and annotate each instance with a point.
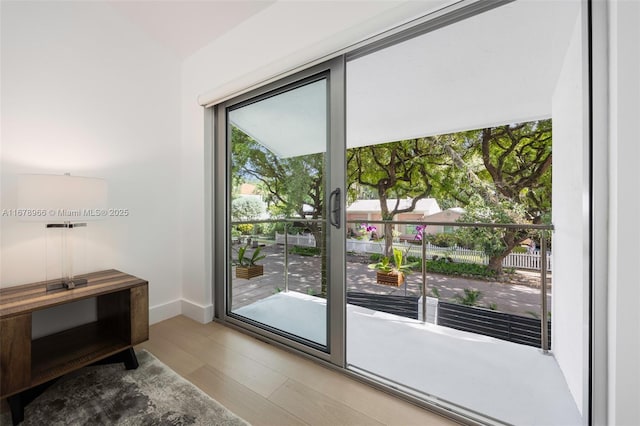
(405, 169)
(440, 266)
(448, 240)
(285, 183)
(245, 228)
(471, 297)
(246, 208)
(384, 265)
(462, 269)
(435, 292)
(488, 240)
(305, 251)
(398, 265)
(507, 173)
(244, 260)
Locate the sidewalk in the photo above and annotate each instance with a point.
(304, 276)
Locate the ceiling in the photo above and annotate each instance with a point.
(499, 67)
(186, 26)
(496, 68)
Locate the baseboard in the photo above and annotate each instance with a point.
(197, 312)
(165, 311)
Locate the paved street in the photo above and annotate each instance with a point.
(520, 295)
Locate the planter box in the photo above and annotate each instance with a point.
(385, 278)
(248, 272)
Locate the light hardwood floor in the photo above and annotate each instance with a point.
(266, 385)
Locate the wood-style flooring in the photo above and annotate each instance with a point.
(266, 385)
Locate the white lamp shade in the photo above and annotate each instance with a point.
(60, 198)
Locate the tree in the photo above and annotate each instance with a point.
(511, 184)
(287, 184)
(246, 208)
(404, 169)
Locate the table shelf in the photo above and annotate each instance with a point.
(55, 355)
(122, 304)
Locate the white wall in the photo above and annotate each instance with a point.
(85, 92)
(570, 238)
(282, 36)
(624, 213)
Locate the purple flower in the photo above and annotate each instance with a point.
(419, 231)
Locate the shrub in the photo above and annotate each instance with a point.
(471, 297)
(449, 268)
(245, 228)
(305, 251)
(443, 240)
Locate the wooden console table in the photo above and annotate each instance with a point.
(122, 321)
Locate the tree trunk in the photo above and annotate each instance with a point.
(495, 263)
(511, 239)
(388, 240)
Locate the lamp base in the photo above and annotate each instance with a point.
(67, 284)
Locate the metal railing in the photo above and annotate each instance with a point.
(543, 229)
(287, 222)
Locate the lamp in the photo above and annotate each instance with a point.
(66, 202)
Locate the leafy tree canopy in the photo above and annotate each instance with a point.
(246, 208)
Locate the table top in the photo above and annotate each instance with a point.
(32, 297)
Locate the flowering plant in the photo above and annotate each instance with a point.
(419, 232)
(368, 231)
(368, 228)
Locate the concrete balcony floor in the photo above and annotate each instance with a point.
(512, 383)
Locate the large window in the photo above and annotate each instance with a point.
(414, 210)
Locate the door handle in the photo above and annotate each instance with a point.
(334, 205)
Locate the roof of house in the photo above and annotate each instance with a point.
(426, 205)
(446, 215)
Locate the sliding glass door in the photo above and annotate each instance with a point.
(389, 211)
(283, 209)
(459, 141)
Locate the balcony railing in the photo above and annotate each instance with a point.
(484, 321)
(542, 231)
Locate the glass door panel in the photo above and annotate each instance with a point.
(277, 242)
(448, 131)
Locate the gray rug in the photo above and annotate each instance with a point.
(153, 394)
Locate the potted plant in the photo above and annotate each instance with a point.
(246, 267)
(392, 273)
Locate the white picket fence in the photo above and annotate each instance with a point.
(458, 254)
(305, 240)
